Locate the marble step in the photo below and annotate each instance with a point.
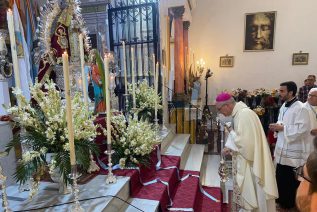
(209, 174)
(171, 127)
(167, 135)
(48, 195)
(179, 147)
(143, 204)
(195, 158)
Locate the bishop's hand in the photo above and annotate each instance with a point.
(276, 127)
(228, 126)
(226, 151)
(313, 132)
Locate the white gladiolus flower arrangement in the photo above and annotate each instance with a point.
(44, 121)
(145, 96)
(133, 143)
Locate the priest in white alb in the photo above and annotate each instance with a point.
(311, 106)
(254, 187)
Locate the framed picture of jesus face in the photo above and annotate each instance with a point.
(259, 31)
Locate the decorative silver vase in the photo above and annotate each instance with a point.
(223, 171)
(57, 177)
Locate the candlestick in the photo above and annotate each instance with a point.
(164, 95)
(126, 95)
(110, 177)
(3, 179)
(69, 110)
(133, 81)
(153, 62)
(74, 175)
(106, 64)
(168, 57)
(13, 49)
(83, 75)
(125, 68)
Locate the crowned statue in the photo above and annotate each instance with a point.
(60, 26)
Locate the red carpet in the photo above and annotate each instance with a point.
(184, 194)
(205, 204)
(186, 191)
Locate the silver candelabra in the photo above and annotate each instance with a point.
(223, 169)
(74, 176)
(3, 179)
(111, 178)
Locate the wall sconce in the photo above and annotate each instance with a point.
(200, 68)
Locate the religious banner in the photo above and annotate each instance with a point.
(23, 54)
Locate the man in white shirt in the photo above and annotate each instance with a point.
(311, 106)
(292, 127)
(255, 186)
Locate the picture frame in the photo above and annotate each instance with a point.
(226, 61)
(300, 58)
(259, 29)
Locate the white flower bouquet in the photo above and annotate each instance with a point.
(145, 100)
(133, 143)
(44, 121)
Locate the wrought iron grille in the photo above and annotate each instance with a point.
(136, 23)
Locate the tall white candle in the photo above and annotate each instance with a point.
(69, 117)
(133, 81)
(163, 92)
(83, 75)
(125, 68)
(153, 62)
(156, 88)
(108, 109)
(13, 49)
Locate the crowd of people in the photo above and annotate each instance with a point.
(289, 181)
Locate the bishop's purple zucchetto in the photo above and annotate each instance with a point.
(222, 97)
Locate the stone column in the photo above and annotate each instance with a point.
(186, 25)
(179, 65)
(177, 13)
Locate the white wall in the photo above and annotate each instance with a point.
(217, 29)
